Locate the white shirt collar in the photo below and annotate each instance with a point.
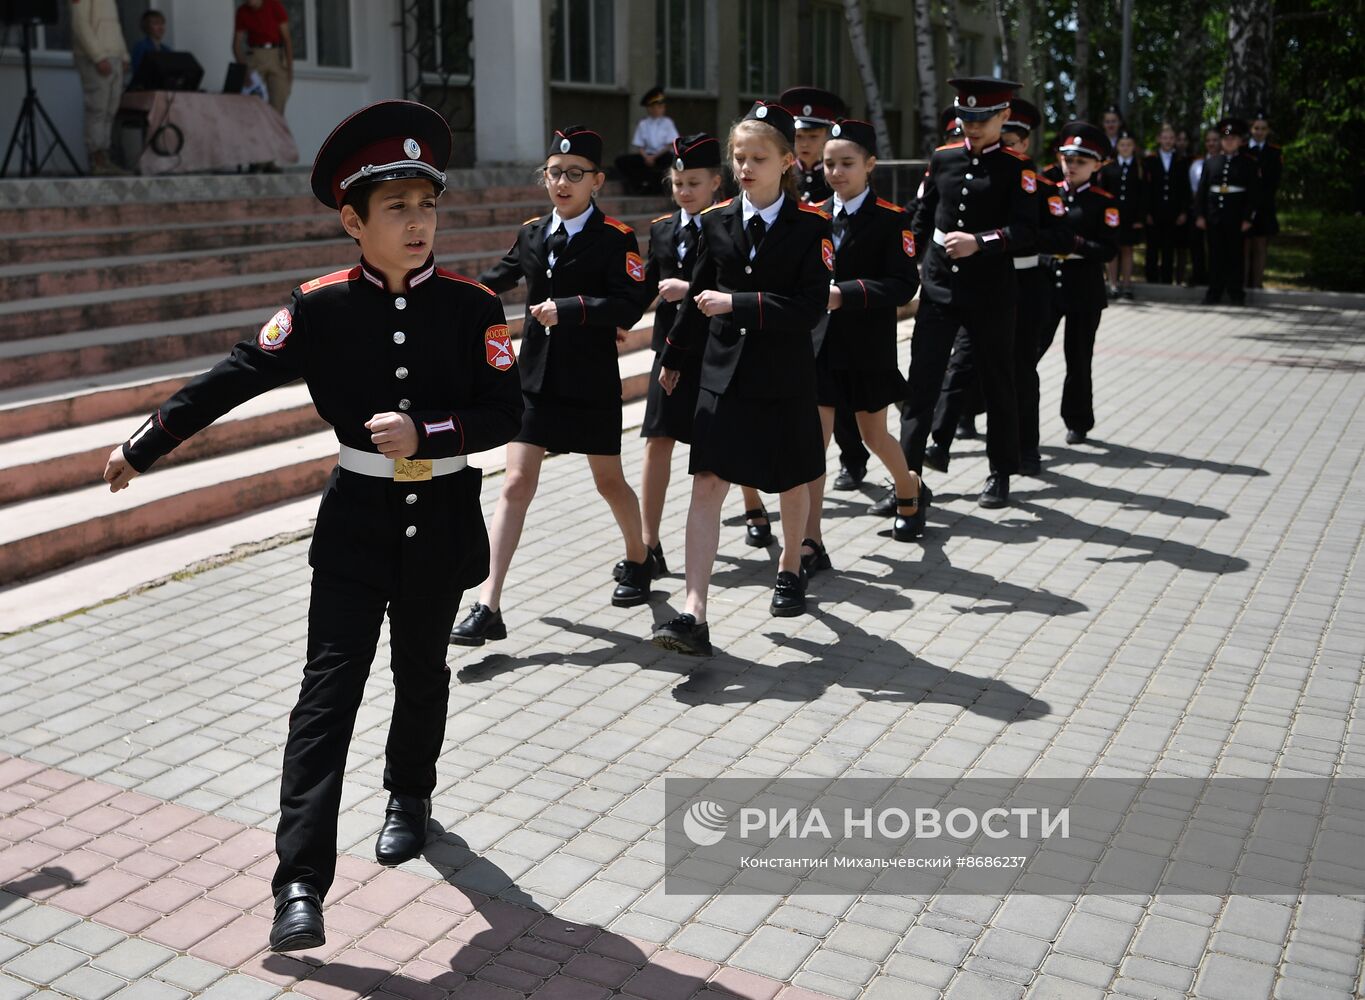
(769, 214)
(1166, 156)
(853, 204)
(572, 227)
(686, 217)
(1128, 162)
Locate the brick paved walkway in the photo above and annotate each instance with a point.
(1180, 597)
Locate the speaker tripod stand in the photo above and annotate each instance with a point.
(25, 135)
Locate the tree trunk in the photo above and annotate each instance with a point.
(1024, 59)
(1246, 80)
(952, 27)
(857, 34)
(926, 77)
(1083, 59)
(1002, 19)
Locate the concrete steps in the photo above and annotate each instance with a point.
(121, 304)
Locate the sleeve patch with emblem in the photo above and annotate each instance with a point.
(497, 345)
(827, 253)
(1055, 206)
(635, 267)
(274, 333)
(1028, 180)
(908, 242)
(1111, 216)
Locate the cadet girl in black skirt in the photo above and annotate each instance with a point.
(584, 279)
(760, 286)
(694, 179)
(1122, 177)
(856, 362)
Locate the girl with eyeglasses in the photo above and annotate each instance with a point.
(585, 278)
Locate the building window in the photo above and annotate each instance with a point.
(321, 32)
(760, 47)
(583, 42)
(681, 41)
(444, 30)
(881, 41)
(827, 39)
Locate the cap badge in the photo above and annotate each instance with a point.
(806, 110)
(761, 112)
(835, 131)
(971, 100)
(565, 145)
(411, 147)
(678, 164)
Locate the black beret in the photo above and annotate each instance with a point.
(387, 141)
(693, 151)
(856, 131)
(577, 141)
(775, 115)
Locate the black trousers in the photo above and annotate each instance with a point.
(1161, 241)
(1226, 260)
(962, 385)
(1078, 409)
(989, 324)
(344, 617)
(1199, 256)
(852, 455)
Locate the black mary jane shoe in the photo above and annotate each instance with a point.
(657, 567)
(757, 535)
(908, 527)
(849, 479)
(683, 635)
(404, 832)
(298, 919)
(633, 590)
(789, 595)
(1075, 437)
(996, 493)
(480, 625)
(886, 506)
(936, 457)
(813, 562)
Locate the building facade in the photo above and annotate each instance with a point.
(502, 71)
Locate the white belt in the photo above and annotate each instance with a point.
(367, 463)
(940, 237)
(1023, 263)
(1229, 189)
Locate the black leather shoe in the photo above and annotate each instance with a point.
(996, 492)
(908, 527)
(789, 595)
(657, 566)
(936, 457)
(886, 506)
(966, 429)
(633, 589)
(404, 832)
(481, 624)
(298, 919)
(1075, 437)
(757, 535)
(1030, 464)
(683, 635)
(813, 562)
(849, 479)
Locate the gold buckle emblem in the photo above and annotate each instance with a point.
(411, 470)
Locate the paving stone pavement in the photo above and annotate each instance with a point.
(1179, 597)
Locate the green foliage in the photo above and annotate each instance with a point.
(1338, 255)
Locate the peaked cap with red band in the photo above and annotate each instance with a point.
(947, 122)
(981, 97)
(1084, 139)
(775, 115)
(387, 141)
(811, 107)
(693, 151)
(576, 140)
(1024, 117)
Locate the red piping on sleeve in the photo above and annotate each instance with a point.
(584, 306)
(864, 288)
(164, 427)
(460, 424)
(760, 310)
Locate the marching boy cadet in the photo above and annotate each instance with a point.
(1167, 178)
(1122, 177)
(979, 205)
(695, 179)
(856, 365)
(760, 286)
(413, 368)
(1078, 273)
(585, 278)
(1225, 207)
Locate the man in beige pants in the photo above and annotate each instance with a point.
(261, 39)
(100, 54)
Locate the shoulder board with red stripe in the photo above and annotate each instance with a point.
(452, 276)
(534, 218)
(1016, 154)
(883, 203)
(813, 210)
(667, 215)
(719, 204)
(617, 224)
(1100, 190)
(330, 279)
(951, 145)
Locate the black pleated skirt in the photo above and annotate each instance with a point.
(671, 416)
(861, 391)
(581, 426)
(769, 444)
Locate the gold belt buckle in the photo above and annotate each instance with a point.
(411, 470)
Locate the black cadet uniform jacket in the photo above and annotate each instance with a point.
(763, 349)
(1229, 190)
(876, 269)
(438, 351)
(663, 263)
(597, 284)
(811, 183)
(1168, 191)
(1271, 161)
(1092, 221)
(1124, 182)
(991, 193)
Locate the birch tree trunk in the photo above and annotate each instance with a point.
(857, 34)
(952, 26)
(927, 78)
(1007, 63)
(1083, 59)
(1246, 80)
